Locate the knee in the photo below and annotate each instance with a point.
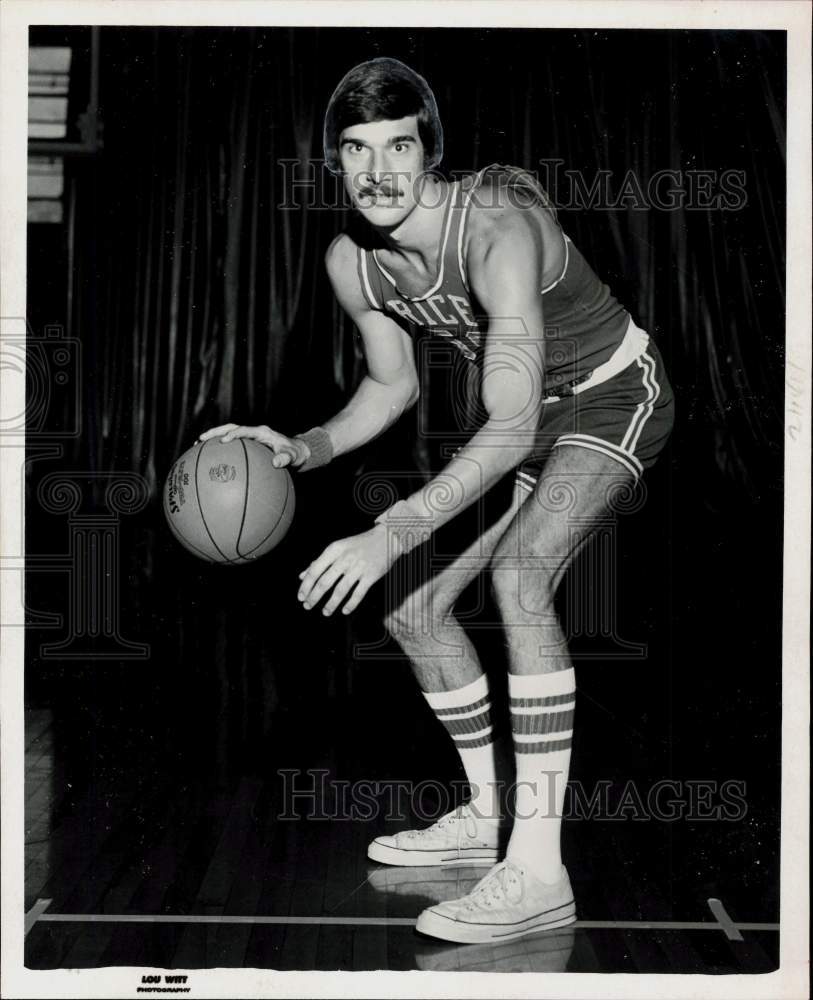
(400, 623)
(520, 587)
(414, 624)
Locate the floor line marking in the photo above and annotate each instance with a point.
(35, 913)
(724, 920)
(38, 913)
(194, 918)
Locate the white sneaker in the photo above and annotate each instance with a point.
(508, 903)
(459, 837)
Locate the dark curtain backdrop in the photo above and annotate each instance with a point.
(198, 299)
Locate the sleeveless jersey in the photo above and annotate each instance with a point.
(584, 322)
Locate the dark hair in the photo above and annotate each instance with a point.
(382, 89)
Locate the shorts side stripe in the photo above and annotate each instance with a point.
(600, 445)
(644, 410)
(529, 478)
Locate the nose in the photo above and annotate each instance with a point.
(377, 164)
(378, 168)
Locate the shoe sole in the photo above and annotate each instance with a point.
(438, 926)
(417, 858)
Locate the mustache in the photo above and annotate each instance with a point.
(376, 189)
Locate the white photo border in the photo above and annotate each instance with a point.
(792, 979)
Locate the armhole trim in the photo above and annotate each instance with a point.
(461, 230)
(364, 280)
(553, 284)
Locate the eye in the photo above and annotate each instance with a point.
(401, 147)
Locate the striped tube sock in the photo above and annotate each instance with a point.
(466, 714)
(542, 707)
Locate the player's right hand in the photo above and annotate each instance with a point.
(287, 451)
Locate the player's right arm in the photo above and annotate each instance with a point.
(390, 385)
(387, 390)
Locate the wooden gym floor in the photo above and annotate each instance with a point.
(181, 859)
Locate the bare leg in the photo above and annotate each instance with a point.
(529, 562)
(422, 623)
(448, 670)
(538, 547)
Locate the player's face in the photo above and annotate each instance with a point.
(383, 164)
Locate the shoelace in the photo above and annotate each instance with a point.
(494, 888)
(464, 819)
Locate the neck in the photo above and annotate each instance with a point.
(420, 231)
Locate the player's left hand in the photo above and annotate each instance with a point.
(355, 562)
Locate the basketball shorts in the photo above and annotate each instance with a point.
(628, 418)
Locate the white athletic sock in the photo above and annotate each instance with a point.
(466, 714)
(542, 707)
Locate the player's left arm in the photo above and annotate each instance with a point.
(504, 270)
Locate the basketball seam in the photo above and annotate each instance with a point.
(185, 541)
(202, 515)
(262, 541)
(245, 501)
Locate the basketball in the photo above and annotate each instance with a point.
(226, 503)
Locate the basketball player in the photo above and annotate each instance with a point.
(576, 405)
